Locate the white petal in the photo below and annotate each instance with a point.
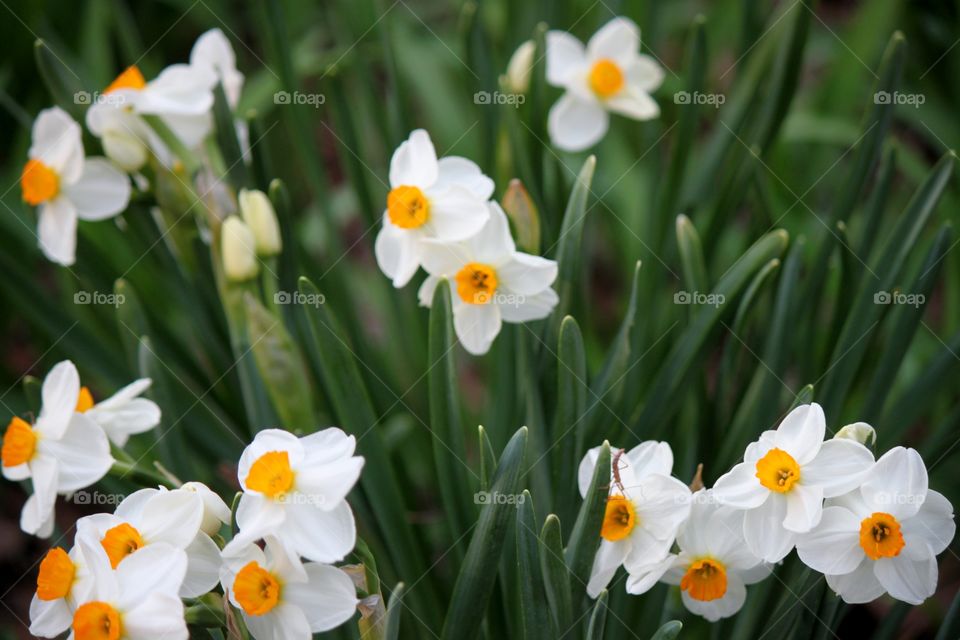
(398, 253)
(426, 291)
(801, 432)
(60, 391)
(517, 308)
(618, 40)
(759, 448)
(101, 192)
(609, 557)
(83, 454)
(454, 170)
(634, 103)
(213, 50)
(585, 470)
(285, 622)
(493, 244)
(477, 325)
(933, 524)
(173, 517)
(215, 511)
(858, 586)
(179, 90)
(57, 143)
(649, 457)
(131, 507)
(327, 445)
(321, 536)
(16, 473)
(644, 73)
(190, 129)
(565, 55)
(804, 507)
(257, 516)
(57, 230)
(526, 274)
(833, 546)
(444, 259)
(266, 441)
(724, 607)
(153, 569)
(134, 416)
(49, 618)
(576, 124)
(455, 213)
(203, 567)
(642, 578)
(740, 487)
(897, 484)
(283, 560)
(662, 506)
(764, 533)
(326, 485)
(159, 615)
(38, 511)
(328, 598)
(912, 581)
(414, 163)
(839, 467)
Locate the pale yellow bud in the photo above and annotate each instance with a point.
(859, 431)
(238, 250)
(258, 213)
(520, 67)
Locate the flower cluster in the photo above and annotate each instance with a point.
(871, 527)
(440, 217)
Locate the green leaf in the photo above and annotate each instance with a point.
(569, 424)
(394, 612)
(478, 573)
(556, 575)
(693, 266)
(132, 320)
(669, 631)
(534, 609)
(569, 240)
(488, 459)
(62, 81)
(227, 142)
(522, 211)
(32, 390)
(950, 627)
(584, 539)
(598, 617)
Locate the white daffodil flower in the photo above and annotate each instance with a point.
(884, 536)
(215, 511)
(181, 96)
(784, 477)
(280, 597)
(63, 580)
(713, 566)
(296, 489)
(492, 282)
(124, 413)
(137, 601)
(429, 198)
(64, 185)
(645, 509)
(158, 517)
(610, 74)
(62, 452)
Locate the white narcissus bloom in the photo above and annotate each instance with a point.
(713, 566)
(884, 536)
(296, 489)
(644, 510)
(491, 282)
(138, 601)
(429, 198)
(151, 517)
(65, 185)
(215, 510)
(784, 477)
(63, 452)
(63, 580)
(124, 413)
(610, 74)
(281, 597)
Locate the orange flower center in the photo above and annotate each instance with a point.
(38, 182)
(270, 474)
(256, 589)
(606, 78)
(56, 575)
(619, 519)
(778, 471)
(880, 536)
(19, 443)
(476, 283)
(85, 400)
(120, 541)
(705, 580)
(96, 621)
(131, 78)
(407, 207)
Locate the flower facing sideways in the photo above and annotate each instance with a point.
(610, 74)
(884, 536)
(644, 510)
(784, 477)
(491, 281)
(713, 566)
(124, 413)
(63, 580)
(296, 489)
(280, 597)
(429, 198)
(66, 186)
(62, 452)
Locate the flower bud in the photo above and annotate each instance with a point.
(237, 249)
(520, 67)
(859, 431)
(258, 213)
(128, 152)
(215, 510)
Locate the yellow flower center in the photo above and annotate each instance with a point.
(96, 621)
(270, 474)
(120, 541)
(19, 443)
(84, 401)
(38, 182)
(476, 283)
(606, 78)
(880, 536)
(256, 589)
(619, 519)
(705, 580)
(778, 471)
(131, 78)
(407, 207)
(56, 575)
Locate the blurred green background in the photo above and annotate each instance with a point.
(385, 67)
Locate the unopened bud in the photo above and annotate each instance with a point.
(859, 431)
(258, 213)
(238, 250)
